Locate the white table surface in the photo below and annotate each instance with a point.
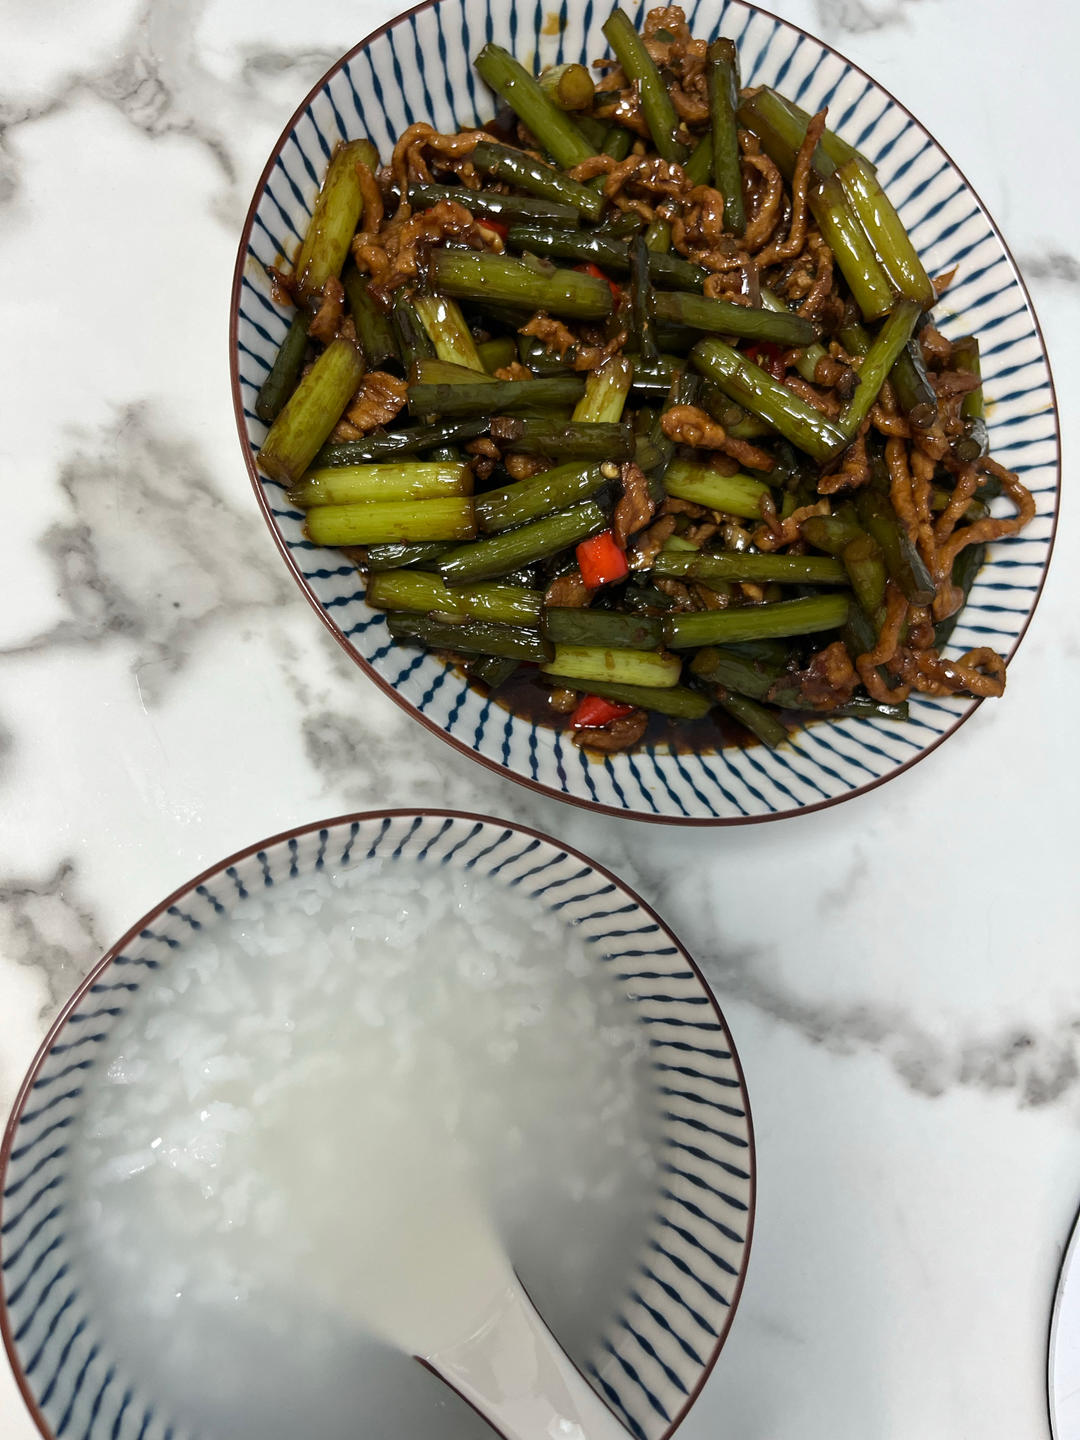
(901, 972)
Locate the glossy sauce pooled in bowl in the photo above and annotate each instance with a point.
(308, 1100)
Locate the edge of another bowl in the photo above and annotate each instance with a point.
(246, 853)
(387, 688)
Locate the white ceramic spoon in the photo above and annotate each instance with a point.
(454, 1302)
(516, 1375)
(422, 1267)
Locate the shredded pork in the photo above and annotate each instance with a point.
(930, 462)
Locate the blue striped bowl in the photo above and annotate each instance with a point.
(677, 1305)
(418, 68)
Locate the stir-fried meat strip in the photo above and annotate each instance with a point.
(707, 599)
(699, 535)
(329, 314)
(408, 163)
(854, 470)
(674, 506)
(706, 218)
(669, 42)
(524, 467)
(514, 371)
(628, 113)
(733, 277)
(820, 400)
(767, 195)
(889, 424)
(671, 19)
(834, 374)
(979, 672)
(611, 77)
(650, 542)
(829, 680)
(379, 399)
(391, 256)
(934, 345)
(792, 244)
(562, 701)
(816, 298)
(967, 482)
(589, 169)
(485, 456)
(635, 508)
(646, 173)
(675, 590)
(694, 109)
(914, 517)
(954, 382)
(373, 208)
(568, 590)
(920, 627)
(560, 340)
(883, 653)
(949, 597)
(687, 425)
(283, 285)
(775, 533)
(621, 734)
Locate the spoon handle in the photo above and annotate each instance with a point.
(518, 1377)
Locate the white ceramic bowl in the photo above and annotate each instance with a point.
(418, 67)
(677, 1304)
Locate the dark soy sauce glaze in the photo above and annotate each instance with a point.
(525, 696)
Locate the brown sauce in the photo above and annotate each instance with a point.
(523, 695)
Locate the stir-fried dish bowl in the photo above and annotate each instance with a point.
(188, 1169)
(655, 413)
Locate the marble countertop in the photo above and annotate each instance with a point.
(900, 972)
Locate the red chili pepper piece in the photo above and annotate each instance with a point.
(601, 561)
(593, 711)
(499, 226)
(594, 270)
(769, 356)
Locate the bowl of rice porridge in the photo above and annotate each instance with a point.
(197, 1182)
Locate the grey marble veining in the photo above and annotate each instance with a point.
(48, 926)
(900, 973)
(1057, 267)
(154, 74)
(149, 554)
(837, 18)
(1029, 1066)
